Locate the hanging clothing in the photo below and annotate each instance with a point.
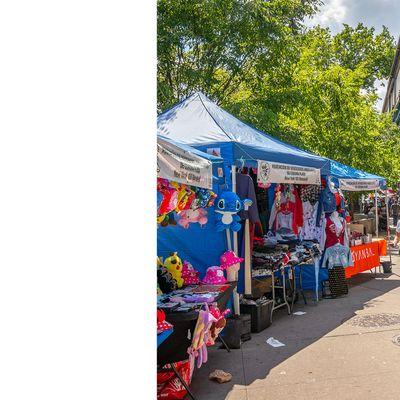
(334, 231)
(245, 190)
(337, 255)
(262, 198)
(310, 193)
(327, 202)
(310, 230)
(287, 209)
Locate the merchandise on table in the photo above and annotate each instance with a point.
(189, 275)
(174, 266)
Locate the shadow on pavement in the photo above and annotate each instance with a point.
(256, 358)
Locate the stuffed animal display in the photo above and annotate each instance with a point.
(227, 206)
(173, 197)
(198, 348)
(187, 217)
(174, 266)
(218, 325)
(165, 280)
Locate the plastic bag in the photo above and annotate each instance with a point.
(169, 387)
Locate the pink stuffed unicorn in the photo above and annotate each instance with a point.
(192, 216)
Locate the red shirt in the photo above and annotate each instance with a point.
(332, 235)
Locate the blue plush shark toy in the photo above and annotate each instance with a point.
(227, 205)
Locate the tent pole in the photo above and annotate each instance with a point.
(228, 239)
(247, 267)
(235, 235)
(376, 214)
(388, 225)
(236, 304)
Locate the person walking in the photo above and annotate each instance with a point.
(397, 235)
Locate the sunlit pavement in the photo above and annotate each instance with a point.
(340, 349)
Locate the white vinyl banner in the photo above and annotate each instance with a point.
(358, 185)
(182, 166)
(272, 172)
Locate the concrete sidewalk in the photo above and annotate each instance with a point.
(340, 349)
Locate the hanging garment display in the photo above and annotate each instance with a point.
(310, 193)
(287, 210)
(331, 199)
(245, 190)
(310, 230)
(337, 255)
(334, 231)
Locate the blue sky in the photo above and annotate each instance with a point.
(374, 13)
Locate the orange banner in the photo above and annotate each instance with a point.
(366, 256)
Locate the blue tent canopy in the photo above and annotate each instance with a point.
(199, 122)
(341, 171)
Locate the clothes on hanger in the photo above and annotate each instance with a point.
(310, 193)
(310, 230)
(337, 255)
(245, 190)
(327, 202)
(334, 230)
(287, 209)
(262, 198)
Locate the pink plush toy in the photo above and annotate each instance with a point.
(189, 275)
(198, 348)
(214, 276)
(192, 216)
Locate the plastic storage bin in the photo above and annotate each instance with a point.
(260, 314)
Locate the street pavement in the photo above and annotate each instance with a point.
(340, 349)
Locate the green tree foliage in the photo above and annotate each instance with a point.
(303, 85)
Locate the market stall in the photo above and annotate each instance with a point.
(297, 210)
(201, 123)
(365, 251)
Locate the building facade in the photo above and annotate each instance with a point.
(392, 98)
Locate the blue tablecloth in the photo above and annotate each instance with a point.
(163, 335)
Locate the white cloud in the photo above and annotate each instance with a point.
(333, 11)
(372, 13)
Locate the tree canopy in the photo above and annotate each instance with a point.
(304, 85)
